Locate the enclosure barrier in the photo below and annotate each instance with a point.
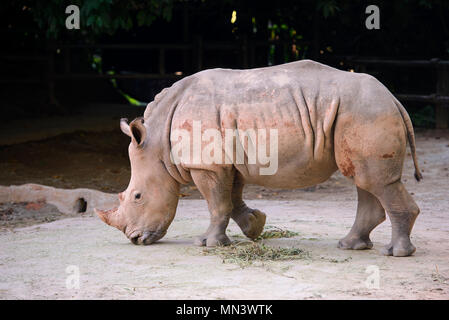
(244, 48)
(441, 96)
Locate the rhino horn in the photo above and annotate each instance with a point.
(108, 216)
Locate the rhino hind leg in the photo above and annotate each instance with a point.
(370, 151)
(402, 211)
(250, 221)
(216, 188)
(370, 214)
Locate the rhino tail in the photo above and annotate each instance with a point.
(411, 138)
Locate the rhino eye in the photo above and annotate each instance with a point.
(137, 196)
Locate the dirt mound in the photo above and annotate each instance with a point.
(16, 215)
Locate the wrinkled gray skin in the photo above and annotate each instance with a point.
(326, 119)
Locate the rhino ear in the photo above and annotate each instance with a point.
(138, 132)
(125, 127)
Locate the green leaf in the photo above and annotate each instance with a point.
(99, 22)
(90, 20)
(141, 18)
(129, 23)
(167, 13)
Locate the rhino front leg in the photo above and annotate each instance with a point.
(370, 214)
(216, 188)
(251, 221)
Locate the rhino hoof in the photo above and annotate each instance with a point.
(212, 240)
(200, 241)
(398, 250)
(354, 244)
(256, 222)
(220, 240)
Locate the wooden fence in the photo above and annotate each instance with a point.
(440, 99)
(245, 49)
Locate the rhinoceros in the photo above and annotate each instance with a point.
(325, 120)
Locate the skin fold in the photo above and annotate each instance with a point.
(326, 120)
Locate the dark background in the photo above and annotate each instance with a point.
(63, 91)
(47, 69)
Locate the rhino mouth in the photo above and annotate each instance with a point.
(146, 237)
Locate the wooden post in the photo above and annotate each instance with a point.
(162, 60)
(361, 68)
(316, 35)
(198, 56)
(67, 60)
(245, 51)
(186, 39)
(50, 80)
(252, 53)
(442, 108)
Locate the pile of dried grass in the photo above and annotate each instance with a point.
(245, 253)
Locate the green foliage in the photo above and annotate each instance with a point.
(286, 32)
(99, 16)
(327, 7)
(97, 64)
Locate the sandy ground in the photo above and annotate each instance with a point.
(36, 262)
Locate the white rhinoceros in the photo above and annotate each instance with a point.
(315, 119)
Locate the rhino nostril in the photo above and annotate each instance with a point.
(135, 240)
